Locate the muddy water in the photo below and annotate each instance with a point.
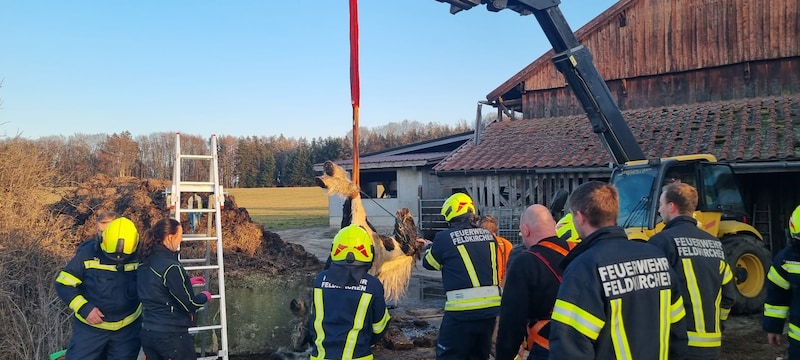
(258, 310)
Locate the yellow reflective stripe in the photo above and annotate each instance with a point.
(432, 261)
(618, 336)
(776, 311)
(676, 310)
(694, 295)
(792, 267)
(95, 264)
(114, 325)
(493, 247)
(579, 319)
(665, 300)
(379, 326)
(698, 339)
(77, 302)
(473, 303)
(68, 279)
(794, 331)
(723, 313)
(725, 271)
(131, 266)
(368, 357)
(358, 324)
(473, 277)
(319, 314)
(718, 313)
(777, 279)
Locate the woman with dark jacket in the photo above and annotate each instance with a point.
(165, 290)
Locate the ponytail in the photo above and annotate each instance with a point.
(156, 235)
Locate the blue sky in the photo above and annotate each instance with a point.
(251, 67)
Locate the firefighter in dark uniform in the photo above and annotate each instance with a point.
(531, 285)
(349, 312)
(783, 291)
(466, 254)
(698, 259)
(619, 299)
(99, 285)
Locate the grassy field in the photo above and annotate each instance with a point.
(284, 208)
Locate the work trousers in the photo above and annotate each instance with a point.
(161, 345)
(464, 339)
(91, 343)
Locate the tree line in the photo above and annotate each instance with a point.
(250, 161)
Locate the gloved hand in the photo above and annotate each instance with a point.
(207, 294)
(197, 280)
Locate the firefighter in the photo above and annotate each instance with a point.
(167, 295)
(699, 261)
(349, 312)
(504, 246)
(618, 298)
(466, 254)
(531, 285)
(783, 292)
(99, 285)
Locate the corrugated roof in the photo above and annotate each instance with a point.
(391, 161)
(755, 129)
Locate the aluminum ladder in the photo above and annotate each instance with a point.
(213, 328)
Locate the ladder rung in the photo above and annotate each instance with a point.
(193, 261)
(198, 237)
(196, 157)
(210, 357)
(204, 328)
(201, 267)
(196, 186)
(201, 210)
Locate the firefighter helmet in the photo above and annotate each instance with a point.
(565, 230)
(456, 205)
(794, 227)
(120, 238)
(352, 243)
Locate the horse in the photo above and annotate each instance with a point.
(395, 255)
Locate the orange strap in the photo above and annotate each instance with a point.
(554, 247)
(535, 338)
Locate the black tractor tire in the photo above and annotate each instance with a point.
(749, 260)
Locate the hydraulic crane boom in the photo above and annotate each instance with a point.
(574, 61)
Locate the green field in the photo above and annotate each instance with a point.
(284, 208)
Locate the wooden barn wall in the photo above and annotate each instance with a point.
(651, 37)
(507, 195)
(743, 80)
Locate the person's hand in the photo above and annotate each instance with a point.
(207, 294)
(197, 281)
(774, 339)
(422, 243)
(95, 317)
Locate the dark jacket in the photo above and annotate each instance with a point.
(528, 297)
(618, 299)
(166, 293)
(346, 319)
(783, 297)
(699, 261)
(467, 257)
(92, 279)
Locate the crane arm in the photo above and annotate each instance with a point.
(574, 61)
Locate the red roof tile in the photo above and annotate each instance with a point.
(736, 130)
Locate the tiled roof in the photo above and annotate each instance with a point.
(737, 130)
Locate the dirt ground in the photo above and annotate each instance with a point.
(743, 338)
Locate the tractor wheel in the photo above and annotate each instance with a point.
(749, 260)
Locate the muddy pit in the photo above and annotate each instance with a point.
(250, 248)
